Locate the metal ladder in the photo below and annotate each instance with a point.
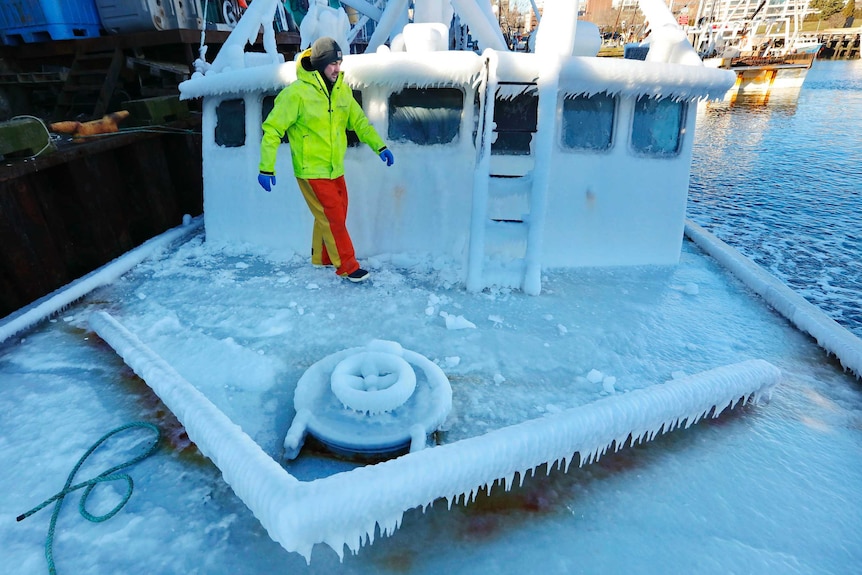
(502, 220)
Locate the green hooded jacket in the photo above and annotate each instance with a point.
(315, 122)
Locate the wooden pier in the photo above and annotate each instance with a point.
(839, 43)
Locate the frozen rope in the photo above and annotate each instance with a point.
(154, 129)
(88, 485)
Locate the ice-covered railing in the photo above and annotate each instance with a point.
(348, 508)
(803, 314)
(667, 40)
(52, 303)
(256, 19)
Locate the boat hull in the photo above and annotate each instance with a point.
(759, 78)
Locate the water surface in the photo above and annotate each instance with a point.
(782, 182)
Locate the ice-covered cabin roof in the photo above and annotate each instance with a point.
(590, 75)
(418, 69)
(578, 75)
(636, 78)
(388, 69)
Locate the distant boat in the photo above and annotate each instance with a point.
(806, 45)
(761, 43)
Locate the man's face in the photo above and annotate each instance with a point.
(331, 71)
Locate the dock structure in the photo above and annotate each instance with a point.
(840, 43)
(65, 214)
(87, 77)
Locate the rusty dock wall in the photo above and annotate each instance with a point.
(65, 214)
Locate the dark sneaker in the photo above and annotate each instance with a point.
(358, 276)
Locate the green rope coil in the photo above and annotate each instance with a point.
(90, 484)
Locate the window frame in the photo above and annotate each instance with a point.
(678, 134)
(448, 135)
(612, 128)
(222, 133)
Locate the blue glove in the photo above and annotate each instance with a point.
(387, 157)
(266, 181)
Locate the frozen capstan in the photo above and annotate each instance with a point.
(371, 401)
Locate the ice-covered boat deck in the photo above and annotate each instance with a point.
(243, 330)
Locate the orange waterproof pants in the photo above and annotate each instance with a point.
(330, 242)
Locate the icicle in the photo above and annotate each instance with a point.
(354, 543)
(291, 510)
(304, 549)
(509, 481)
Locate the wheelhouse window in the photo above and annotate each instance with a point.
(657, 126)
(230, 123)
(588, 122)
(515, 119)
(425, 116)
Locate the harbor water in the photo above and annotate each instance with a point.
(782, 183)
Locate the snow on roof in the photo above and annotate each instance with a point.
(588, 75)
(397, 69)
(265, 78)
(393, 70)
(635, 78)
(390, 69)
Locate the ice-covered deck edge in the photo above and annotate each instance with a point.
(187, 403)
(348, 508)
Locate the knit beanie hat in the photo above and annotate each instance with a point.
(324, 51)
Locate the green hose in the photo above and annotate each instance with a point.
(90, 484)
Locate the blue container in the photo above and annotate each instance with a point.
(25, 21)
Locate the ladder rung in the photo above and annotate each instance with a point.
(509, 186)
(506, 238)
(503, 272)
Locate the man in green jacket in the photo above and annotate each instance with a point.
(315, 111)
